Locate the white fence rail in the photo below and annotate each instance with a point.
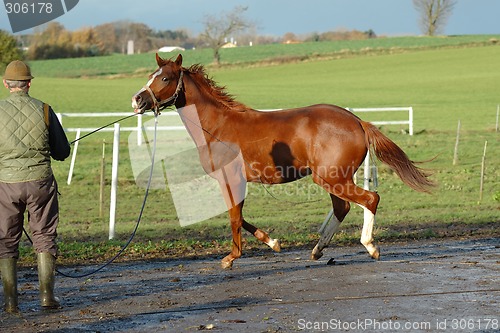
(408, 122)
(138, 128)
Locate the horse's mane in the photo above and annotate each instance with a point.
(211, 87)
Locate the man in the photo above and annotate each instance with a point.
(30, 134)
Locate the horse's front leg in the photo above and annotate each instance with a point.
(235, 215)
(262, 236)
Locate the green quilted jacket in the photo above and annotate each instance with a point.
(24, 139)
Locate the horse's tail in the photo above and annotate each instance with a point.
(389, 153)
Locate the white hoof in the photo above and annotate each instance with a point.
(316, 253)
(275, 245)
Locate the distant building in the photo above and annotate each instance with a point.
(228, 45)
(130, 47)
(171, 49)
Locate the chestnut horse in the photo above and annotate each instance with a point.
(324, 141)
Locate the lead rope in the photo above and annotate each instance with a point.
(153, 153)
(102, 127)
(157, 106)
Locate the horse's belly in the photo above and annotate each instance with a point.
(273, 174)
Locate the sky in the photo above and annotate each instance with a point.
(277, 17)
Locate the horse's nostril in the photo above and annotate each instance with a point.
(137, 98)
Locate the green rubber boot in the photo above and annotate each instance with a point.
(46, 278)
(8, 268)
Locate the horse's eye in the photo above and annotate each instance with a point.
(164, 79)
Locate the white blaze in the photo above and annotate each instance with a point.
(148, 84)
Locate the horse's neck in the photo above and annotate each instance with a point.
(201, 115)
(208, 109)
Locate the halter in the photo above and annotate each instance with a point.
(159, 105)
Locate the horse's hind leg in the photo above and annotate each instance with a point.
(340, 210)
(349, 191)
(367, 234)
(368, 201)
(262, 236)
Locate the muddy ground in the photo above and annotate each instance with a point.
(426, 286)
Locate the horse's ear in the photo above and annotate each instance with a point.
(178, 61)
(159, 60)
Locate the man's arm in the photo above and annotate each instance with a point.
(59, 145)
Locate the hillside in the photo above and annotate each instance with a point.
(139, 64)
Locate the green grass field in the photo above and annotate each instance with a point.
(139, 64)
(443, 84)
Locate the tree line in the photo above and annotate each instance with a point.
(53, 40)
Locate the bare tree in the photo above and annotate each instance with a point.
(220, 27)
(434, 14)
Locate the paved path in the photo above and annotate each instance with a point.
(438, 286)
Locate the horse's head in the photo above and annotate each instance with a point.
(162, 88)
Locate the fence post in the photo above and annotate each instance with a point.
(367, 173)
(139, 129)
(59, 117)
(498, 111)
(455, 154)
(410, 120)
(73, 158)
(482, 172)
(102, 180)
(114, 181)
